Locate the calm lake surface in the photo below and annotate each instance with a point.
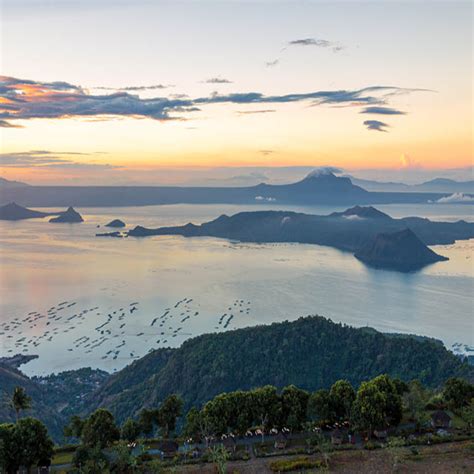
(77, 300)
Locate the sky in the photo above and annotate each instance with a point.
(155, 92)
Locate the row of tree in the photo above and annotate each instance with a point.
(100, 429)
(378, 403)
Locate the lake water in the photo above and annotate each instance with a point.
(77, 300)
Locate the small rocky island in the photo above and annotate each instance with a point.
(116, 223)
(402, 251)
(70, 216)
(116, 234)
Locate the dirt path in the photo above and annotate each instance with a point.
(449, 458)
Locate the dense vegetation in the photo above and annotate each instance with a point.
(308, 353)
(104, 446)
(53, 398)
(311, 353)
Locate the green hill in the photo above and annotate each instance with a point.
(312, 353)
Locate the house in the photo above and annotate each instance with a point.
(168, 448)
(281, 441)
(337, 437)
(440, 419)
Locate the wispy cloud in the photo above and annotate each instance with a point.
(317, 42)
(5, 124)
(135, 88)
(217, 80)
(376, 125)
(251, 112)
(272, 63)
(334, 46)
(266, 152)
(25, 100)
(49, 159)
(376, 110)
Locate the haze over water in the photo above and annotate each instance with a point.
(109, 301)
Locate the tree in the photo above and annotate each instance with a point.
(198, 425)
(74, 428)
(341, 396)
(294, 406)
(168, 413)
(146, 419)
(124, 462)
(414, 402)
(90, 460)
(266, 405)
(20, 401)
(458, 393)
(369, 409)
(467, 414)
(31, 444)
(377, 403)
(320, 407)
(6, 448)
(219, 412)
(100, 429)
(394, 407)
(130, 430)
(219, 456)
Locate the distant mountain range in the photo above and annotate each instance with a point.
(5, 183)
(356, 230)
(318, 188)
(437, 185)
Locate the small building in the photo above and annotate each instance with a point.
(337, 437)
(440, 419)
(281, 441)
(168, 448)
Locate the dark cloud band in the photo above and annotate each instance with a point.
(26, 99)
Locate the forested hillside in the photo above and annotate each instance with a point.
(312, 353)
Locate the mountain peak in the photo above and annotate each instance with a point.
(365, 212)
(14, 212)
(401, 250)
(318, 173)
(69, 216)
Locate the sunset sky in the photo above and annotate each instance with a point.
(102, 91)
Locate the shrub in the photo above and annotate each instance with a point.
(370, 446)
(287, 465)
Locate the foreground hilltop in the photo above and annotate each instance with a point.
(307, 352)
(353, 230)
